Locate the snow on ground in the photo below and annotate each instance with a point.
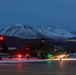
(21, 60)
(4, 60)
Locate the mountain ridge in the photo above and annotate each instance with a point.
(27, 31)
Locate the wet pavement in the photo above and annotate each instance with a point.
(50, 67)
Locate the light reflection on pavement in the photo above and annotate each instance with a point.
(22, 66)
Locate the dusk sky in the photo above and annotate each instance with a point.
(58, 13)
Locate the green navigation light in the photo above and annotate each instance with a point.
(50, 55)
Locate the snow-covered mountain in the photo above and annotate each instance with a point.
(74, 32)
(22, 31)
(28, 32)
(55, 32)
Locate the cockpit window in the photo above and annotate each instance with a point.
(57, 48)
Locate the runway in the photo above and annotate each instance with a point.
(22, 66)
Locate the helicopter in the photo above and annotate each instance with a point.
(40, 50)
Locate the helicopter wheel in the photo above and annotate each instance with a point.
(0, 58)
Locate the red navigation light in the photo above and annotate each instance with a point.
(20, 56)
(27, 54)
(1, 38)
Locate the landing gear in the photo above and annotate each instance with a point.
(28, 58)
(0, 58)
(10, 57)
(60, 59)
(43, 57)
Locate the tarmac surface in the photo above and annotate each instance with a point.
(37, 67)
